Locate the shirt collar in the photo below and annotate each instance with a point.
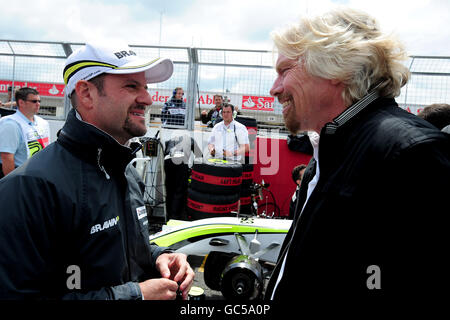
(78, 115)
(353, 110)
(314, 138)
(25, 118)
(230, 126)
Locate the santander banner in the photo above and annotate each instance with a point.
(160, 96)
(257, 103)
(45, 89)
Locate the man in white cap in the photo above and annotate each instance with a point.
(75, 225)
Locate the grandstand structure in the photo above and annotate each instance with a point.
(243, 77)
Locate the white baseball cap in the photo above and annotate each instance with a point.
(93, 59)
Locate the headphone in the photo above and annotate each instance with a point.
(174, 92)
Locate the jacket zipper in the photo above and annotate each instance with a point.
(99, 151)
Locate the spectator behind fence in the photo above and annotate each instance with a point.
(23, 133)
(437, 114)
(73, 221)
(229, 138)
(214, 115)
(369, 225)
(174, 111)
(297, 174)
(9, 103)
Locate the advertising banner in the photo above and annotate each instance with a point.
(257, 103)
(45, 89)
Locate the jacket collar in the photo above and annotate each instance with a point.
(351, 112)
(94, 145)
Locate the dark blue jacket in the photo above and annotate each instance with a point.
(174, 112)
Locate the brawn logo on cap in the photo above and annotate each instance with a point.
(92, 60)
(122, 54)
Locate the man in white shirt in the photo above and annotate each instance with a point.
(229, 138)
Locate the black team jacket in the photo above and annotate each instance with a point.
(75, 210)
(374, 226)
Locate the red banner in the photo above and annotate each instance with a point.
(257, 103)
(45, 89)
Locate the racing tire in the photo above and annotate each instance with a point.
(247, 175)
(214, 265)
(205, 205)
(216, 178)
(245, 204)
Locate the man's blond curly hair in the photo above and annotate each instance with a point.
(347, 45)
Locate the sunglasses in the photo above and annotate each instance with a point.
(34, 101)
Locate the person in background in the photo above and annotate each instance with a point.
(229, 138)
(438, 114)
(174, 111)
(368, 226)
(297, 174)
(73, 221)
(23, 133)
(9, 103)
(213, 116)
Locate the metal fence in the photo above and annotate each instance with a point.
(244, 77)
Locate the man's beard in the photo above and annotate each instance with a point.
(133, 129)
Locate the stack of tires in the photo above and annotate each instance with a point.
(214, 189)
(247, 170)
(246, 192)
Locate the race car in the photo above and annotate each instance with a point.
(239, 251)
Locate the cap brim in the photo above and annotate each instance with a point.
(158, 70)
